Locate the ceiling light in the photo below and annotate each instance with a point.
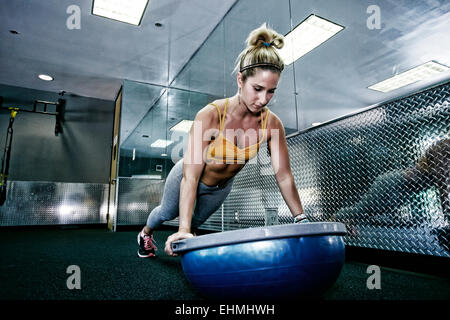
(422, 72)
(183, 125)
(308, 35)
(45, 77)
(122, 10)
(161, 143)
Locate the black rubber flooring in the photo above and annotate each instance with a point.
(34, 266)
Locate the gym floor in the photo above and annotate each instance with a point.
(35, 261)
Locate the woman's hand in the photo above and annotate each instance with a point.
(176, 236)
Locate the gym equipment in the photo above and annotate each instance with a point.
(6, 157)
(274, 262)
(59, 113)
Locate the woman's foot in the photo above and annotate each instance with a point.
(147, 245)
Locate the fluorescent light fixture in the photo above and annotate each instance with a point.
(128, 11)
(161, 143)
(308, 35)
(183, 125)
(45, 77)
(422, 72)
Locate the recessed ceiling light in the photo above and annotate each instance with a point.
(45, 77)
(309, 34)
(183, 125)
(422, 72)
(161, 143)
(122, 10)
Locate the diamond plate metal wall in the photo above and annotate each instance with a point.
(383, 172)
(31, 203)
(136, 199)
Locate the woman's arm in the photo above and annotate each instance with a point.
(193, 165)
(280, 163)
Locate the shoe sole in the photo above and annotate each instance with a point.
(151, 255)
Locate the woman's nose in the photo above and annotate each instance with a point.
(263, 98)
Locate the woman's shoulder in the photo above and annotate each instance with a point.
(273, 121)
(218, 103)
(209, 112)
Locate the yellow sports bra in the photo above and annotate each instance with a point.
(225, 151)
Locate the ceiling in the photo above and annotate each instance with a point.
(93, 61)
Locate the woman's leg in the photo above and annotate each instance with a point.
(169, 208)
(209, 199)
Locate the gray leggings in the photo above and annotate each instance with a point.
(208, 200)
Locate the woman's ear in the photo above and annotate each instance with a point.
(239, 79)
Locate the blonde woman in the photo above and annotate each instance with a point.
(226, 134)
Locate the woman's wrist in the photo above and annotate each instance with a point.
(184, 229)
(300, 217)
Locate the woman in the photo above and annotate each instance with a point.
(226, 134)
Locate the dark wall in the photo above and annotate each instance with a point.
(80, 154)
(144, 166)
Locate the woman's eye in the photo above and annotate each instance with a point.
(257, 89)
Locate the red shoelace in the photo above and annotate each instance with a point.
(149, 242)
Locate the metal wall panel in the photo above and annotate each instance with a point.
(136, 199)
(54, 203)
(383, 172)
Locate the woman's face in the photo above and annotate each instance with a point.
(256, 91)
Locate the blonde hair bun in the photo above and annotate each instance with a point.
(264, 34)
(260, 52)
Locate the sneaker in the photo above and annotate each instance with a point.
(147, 245)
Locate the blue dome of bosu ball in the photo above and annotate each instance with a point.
(275, 262)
